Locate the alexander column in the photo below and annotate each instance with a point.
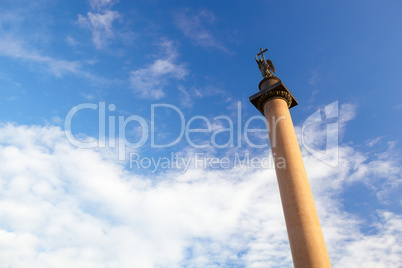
(303, 226)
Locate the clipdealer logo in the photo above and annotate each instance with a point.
(148, 131)
(112, 131)
(204, 161)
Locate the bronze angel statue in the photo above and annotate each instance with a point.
(267, 67)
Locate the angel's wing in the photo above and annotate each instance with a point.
(271, 66)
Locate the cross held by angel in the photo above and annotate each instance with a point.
(267, 68)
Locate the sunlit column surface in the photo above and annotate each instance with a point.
(303, 226)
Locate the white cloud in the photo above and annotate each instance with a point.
(347, 112)
(88, 96)
(185, 97)
(397, 107)
(102, 4)
(314, 79)
(317, 129)
(189, 94)
(150, 81)
(100, 25)
(100, 21)
(193, 26)
(372, 142)
(66, 207)
(22, 42)
(368, 251)
(71, 41)
(15, 48)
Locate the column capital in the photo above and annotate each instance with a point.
(271, 88)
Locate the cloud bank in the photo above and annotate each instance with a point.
(61, 206)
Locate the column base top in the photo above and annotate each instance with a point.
(271, 87)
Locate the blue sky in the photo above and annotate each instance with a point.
(64, 206)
